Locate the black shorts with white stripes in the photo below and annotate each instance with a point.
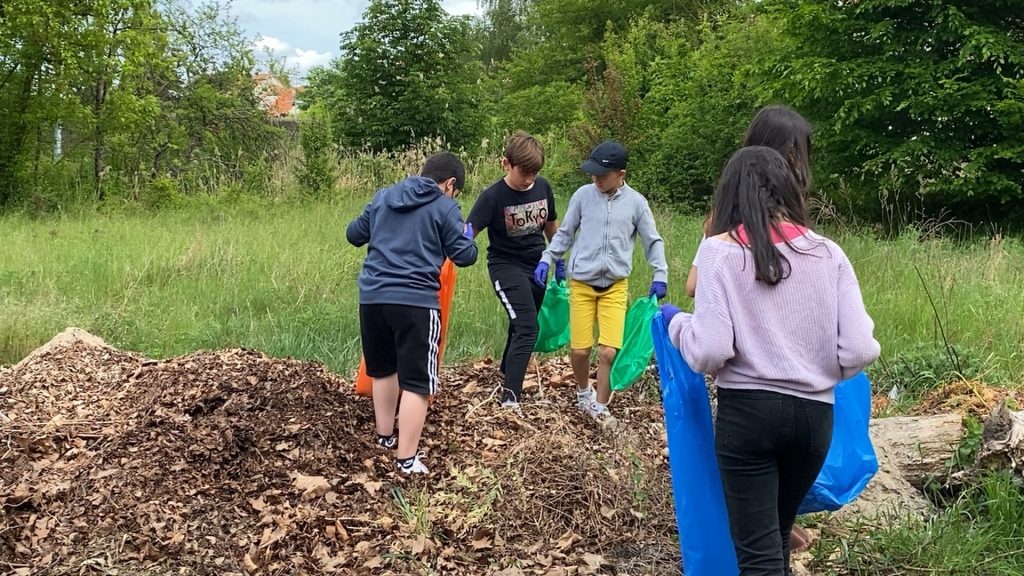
(402, 339)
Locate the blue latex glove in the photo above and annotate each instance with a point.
(560, 271)
(659, 289)
(540, 274)
(667, 312)
(469, 230)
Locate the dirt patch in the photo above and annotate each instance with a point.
(968, 397)
(230, 462)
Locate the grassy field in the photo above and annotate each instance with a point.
(281, 278)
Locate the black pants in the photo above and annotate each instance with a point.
(521, 298)
(770, 449)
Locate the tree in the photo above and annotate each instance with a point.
(921, 99)
(407, 72)
(38, 42)
(139, 87)
(702, 94)
(501, 30)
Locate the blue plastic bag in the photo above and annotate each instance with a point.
(704, 538)
(851, 460)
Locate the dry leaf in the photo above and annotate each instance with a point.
(594, 561)
(248, 564)
(567, 540)
(373, 487)
(481, 540)
(422, 544)
(311, 486)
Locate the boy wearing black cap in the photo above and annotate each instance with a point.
(601, 224)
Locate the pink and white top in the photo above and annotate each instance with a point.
(800, 337)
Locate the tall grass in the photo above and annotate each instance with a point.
(276, 274)
(980, 534)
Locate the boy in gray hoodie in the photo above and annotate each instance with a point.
(409, 229)
(601, 224)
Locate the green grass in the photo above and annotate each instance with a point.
(280, 277)
(980, 534)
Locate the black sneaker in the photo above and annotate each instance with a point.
(387, 442)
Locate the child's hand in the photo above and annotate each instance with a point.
(540, 274)
(468, 233)
(667, 312)
(559, 270)
(659, 289)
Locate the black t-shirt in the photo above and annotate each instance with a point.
(514, 220)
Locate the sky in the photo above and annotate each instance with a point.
(305, 33)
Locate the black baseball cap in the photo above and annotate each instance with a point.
(609, 155)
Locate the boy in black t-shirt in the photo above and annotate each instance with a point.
(519, 214)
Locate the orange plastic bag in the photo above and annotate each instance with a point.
(364, 384)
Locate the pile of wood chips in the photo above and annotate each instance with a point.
(230, 462)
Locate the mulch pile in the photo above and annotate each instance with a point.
(230, 462)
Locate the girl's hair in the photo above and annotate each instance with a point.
(789, 134)
(758, 191)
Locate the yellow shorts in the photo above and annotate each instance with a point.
(605, 309)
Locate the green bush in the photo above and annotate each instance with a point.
(316, 172)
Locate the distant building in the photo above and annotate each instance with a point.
(278, 99)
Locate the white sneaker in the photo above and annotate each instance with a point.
(416, 467)
(583, 399)
(512, 406)
(598, 411)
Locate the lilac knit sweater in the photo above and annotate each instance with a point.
(800, 337)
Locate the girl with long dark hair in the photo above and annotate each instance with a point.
(779, 320)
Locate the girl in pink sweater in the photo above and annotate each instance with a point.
(779, 320)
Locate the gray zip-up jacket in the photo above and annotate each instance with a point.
(601, 229)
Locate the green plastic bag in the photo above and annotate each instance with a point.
(553, 318)
(637, 344)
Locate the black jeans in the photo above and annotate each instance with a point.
(770, 449)
(521, 298)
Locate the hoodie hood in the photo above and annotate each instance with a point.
(411, 193)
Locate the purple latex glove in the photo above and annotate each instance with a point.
(560, 271)
(659, 289)
(540, 274)
(667, 312)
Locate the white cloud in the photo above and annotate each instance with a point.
(461, 7)
(271, 44)
(306, 59)
(280, 26)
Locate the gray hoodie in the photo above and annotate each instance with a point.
(601, 229)
(411, 228)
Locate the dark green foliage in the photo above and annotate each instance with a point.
(919, 102)
(407, 73)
